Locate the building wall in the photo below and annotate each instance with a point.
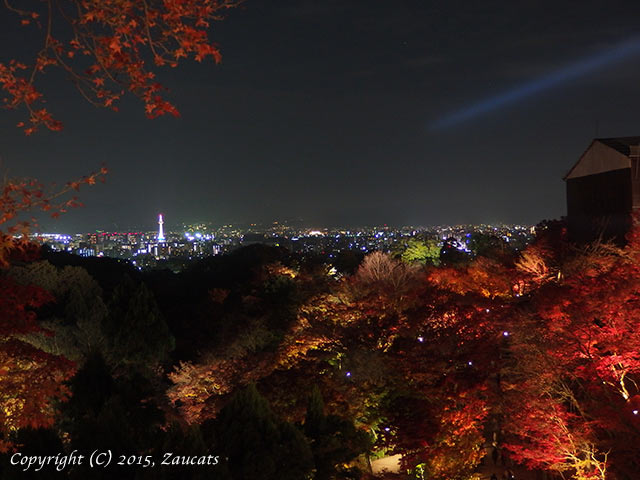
(635, 181)
(600, 205)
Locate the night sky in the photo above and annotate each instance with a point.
(351, 113)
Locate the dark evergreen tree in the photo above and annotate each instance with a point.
(105, 413)
(334, 441)
(490, 246)
(187, 442)
(137, 332)
(259, 446)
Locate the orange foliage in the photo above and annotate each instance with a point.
(575, 368)
(457, 449)
(103, 45)
(30, 379)
(18, 197)
(483, 276)
(200, 390)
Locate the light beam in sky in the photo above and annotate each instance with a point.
(545, 82)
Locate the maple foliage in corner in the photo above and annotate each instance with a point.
(105, 47)
(21, 196)
(31, 380)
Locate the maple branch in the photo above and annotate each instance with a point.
(114, 34)
(148, 28)
(16, 10)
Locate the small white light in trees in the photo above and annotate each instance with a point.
(420, 339)
(635, 412)
(469, 363)
(505, 334)
(348, 374)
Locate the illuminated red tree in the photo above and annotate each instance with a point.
(30, 379)
(571, 397)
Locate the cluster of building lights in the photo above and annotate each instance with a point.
(146, 249)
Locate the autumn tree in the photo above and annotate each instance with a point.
(571, 384)
(106, 48)
(78, 317)
(379, 269)
(455, 450)
(435, 416)
(31, 380)
(418, 350)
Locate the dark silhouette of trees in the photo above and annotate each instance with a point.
(335, 441)
(110, 412)
(257, 444)
(135, 328)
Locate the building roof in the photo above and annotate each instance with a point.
(605, 154)
(621, 144)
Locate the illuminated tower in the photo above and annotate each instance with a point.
(160, 229)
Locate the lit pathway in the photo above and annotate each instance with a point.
(391, 465)
(386, 464)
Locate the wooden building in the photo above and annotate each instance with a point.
(603, 190)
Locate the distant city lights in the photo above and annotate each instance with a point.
(199, 240)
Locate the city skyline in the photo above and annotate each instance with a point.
(177, 248)
(180, 225)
